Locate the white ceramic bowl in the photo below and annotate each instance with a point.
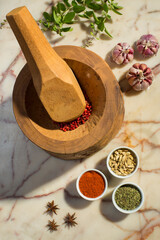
(128, 211)
(113, 173)
(81, 194)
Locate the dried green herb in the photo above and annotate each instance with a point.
(3, 23)
(128, 197)
(67, 12)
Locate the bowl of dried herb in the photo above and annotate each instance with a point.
(122, 162)
(128, 197)
(91, 184)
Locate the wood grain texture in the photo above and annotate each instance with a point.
(54, 81)
(97, 80)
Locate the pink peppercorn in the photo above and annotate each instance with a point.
(69, 126)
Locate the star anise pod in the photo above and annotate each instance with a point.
(51, 208)
(52, 225)
(69, 220)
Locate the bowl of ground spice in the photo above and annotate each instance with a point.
(128, 197)
(91, 184)
(122, 162)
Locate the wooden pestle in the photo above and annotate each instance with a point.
(54, 81)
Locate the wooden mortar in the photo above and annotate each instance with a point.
(97, 80)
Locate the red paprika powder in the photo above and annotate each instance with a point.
(91, 184)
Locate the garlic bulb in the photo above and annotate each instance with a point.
(139, 76)
(147, 45)
(122, 53)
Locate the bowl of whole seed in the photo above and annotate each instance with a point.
(128, 197)
(122, 162)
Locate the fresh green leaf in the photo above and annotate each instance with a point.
(66, 3)
(89, 13)
(101, 19)
(74, 3)
(92, 25)
(114, 10)
(67, 29)
(108, 16)
(57, 18)
(79, 1)
(95, 18)
(45, 24)
(47, 16)
(116, 6)
(62, 6)
(78, 9)
(54, 9)
(54, 28)
(105, 7)
(101, 26)
(87, 2)
(94, 6)
(83, 16)
(58, 8)
(106, 31)
(68, 17)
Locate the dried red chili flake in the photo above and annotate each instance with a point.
(69, 126)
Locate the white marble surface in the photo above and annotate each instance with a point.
(29, 177)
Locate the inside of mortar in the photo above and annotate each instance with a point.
(90, 83)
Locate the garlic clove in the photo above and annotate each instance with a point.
(148, 72)
(132, 81)
(119, 59)
(139, 76)
(148, 52)
(147, 45)
(144, 85)
(143, 67)
(154, 49)
(130, 57)
(136, 65)
(137, 87)
(122, 53)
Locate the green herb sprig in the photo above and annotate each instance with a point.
(64, 13)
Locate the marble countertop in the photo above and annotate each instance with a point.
(29, 177)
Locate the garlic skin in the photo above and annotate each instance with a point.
(139, 76)
(122, 53)
(147, 45)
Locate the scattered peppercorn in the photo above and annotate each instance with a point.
(128, 197)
